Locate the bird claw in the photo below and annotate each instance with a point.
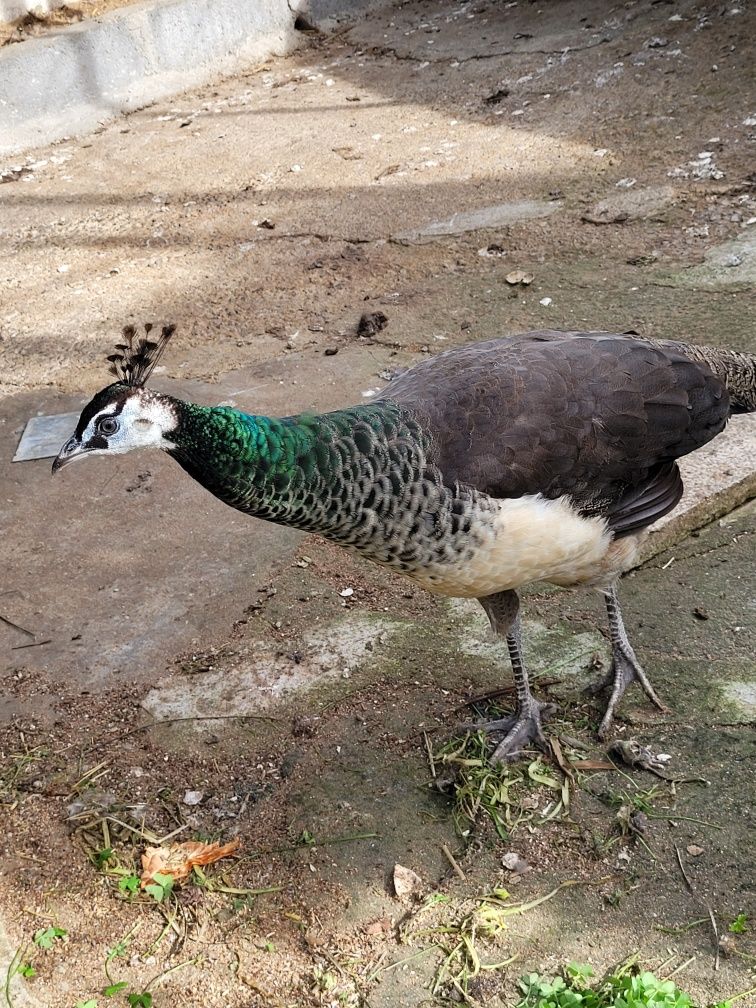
(625, 670)
(521, 730)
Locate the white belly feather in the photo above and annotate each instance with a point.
(532, 539)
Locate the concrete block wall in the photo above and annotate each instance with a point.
(69, 80)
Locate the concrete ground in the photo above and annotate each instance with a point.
(406, 166)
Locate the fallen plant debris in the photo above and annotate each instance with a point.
(519, 277)
(461, 941)
(178, 860)
(507, 794)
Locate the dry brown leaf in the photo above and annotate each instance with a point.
(179, 859)
(556, 749)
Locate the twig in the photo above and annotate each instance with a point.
(688, 883)
(10, 623)
(685, 818)
(563, 764)
(171, 969)
(38, 643)
(233, 891)
(683, 929)
(680, 968)
(507, 690)
(341, 697)
(704, 904)
(429, 750)
(168, 836)
(737, 997)
(453, 862)
(400, 962)
(11, 972)
(716, 935)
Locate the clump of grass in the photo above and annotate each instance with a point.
(464, 932)
(508, 794)
(629, 986)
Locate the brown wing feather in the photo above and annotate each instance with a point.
(598, 416)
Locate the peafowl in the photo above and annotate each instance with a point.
(542, 456)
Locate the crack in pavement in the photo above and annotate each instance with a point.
(412, 58)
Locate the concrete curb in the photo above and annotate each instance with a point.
(718, 478)
(69, 81)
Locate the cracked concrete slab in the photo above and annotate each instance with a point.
(43, 436)
(633, 204)
(729, 266)
(480, 219)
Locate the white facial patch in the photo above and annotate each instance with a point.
(144, 421)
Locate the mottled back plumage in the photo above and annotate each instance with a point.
(596, 416)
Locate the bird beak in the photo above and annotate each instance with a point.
(70, 451)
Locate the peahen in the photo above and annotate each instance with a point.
(543, 456)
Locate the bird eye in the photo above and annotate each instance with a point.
(107, 425)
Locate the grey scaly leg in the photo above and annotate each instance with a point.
(625, 666)
(524, 726)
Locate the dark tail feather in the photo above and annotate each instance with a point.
(737, 370)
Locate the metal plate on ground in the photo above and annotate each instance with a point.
(44, 435)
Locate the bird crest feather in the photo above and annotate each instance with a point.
(135, 359)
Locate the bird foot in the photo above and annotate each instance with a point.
(521, 730)
(625, 669)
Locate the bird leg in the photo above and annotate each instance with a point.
(625, 666)
(524, 727)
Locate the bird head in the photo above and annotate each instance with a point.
(125, 414)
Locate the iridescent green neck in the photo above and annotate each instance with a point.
(360, 476)
(297, 470)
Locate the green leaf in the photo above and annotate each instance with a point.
(579, 970)
(120, 948)
(45, 937)
(128, 884)
(91, 1003)
(25, 969)
(538, 773)
(115, 988)
(161, 887)
(739, 925)
(143, 1000)
(101, 857)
